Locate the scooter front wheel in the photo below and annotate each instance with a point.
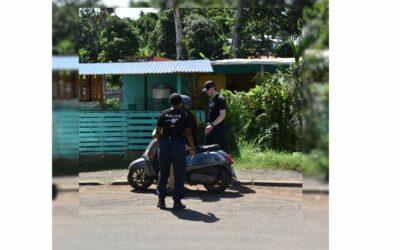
(221, 183)
(138, 180)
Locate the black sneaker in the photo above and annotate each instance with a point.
(178, 205)
(161, 204)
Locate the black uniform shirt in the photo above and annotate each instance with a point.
(193, 127)
(214, 106)
(173, 123)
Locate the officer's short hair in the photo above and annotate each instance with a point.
(175, 99)
(209, 84)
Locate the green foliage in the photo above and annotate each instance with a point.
(92, 22)
(118, 40)
(269, 115)
(145, 25)
(316, 89)
(112, 104)
(202, 37)
(207, 33)
(162, 39)
(267, 30)
(316, 163)
(65, 47)
(316, 32)
(65, 22)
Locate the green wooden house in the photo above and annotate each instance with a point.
(146, 87)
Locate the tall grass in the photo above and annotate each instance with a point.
(252, 157)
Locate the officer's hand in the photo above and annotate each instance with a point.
(192, 153)
(208, 129)
(187, 148)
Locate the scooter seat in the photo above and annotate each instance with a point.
(207, 148)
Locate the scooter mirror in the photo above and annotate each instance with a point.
(153, 133)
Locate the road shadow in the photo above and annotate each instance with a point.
(206, 196)
(192, 215)
(241, 188)
(236, 190)
(147, 191)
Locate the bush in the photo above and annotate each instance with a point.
(269, 115)
(112, 104)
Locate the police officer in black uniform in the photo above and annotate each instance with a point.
(216, 127)
(172, 125)
(186, 104)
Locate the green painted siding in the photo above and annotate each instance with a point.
(133, 89)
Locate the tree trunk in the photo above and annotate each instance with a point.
(170, 4)
(238, 28)
(178, 33)
(178, 28)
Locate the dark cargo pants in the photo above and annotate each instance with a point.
(217, 135)
(171, 151)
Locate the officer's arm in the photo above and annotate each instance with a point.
(158, 133)
(189, 137)
(220, 118)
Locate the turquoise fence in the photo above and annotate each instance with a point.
(103, 132)
(117, 132)
(65, 134)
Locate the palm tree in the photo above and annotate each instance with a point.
(238, 28)
(178, 29)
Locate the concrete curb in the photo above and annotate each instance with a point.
(306, 190)
(242, 182)
(119, 182)
(277, 184)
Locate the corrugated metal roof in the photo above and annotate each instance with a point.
(139, 68)
(65, 62)
(263, 61)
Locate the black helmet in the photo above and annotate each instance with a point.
(175, 99)
(186, 101)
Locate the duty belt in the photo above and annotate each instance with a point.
(173, 137)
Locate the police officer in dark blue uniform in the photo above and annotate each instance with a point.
(186, 104)
(216, 128)
(172, 125)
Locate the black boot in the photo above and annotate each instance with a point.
(161, 203)
(178, 205)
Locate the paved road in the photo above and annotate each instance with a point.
(315, 232)
(66, 221)
(253, 217)
(246, 217)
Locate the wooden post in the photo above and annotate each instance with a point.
(179, 84)
(262, 71)
(101, 90)
(145, 92)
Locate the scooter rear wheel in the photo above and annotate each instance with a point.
(221, 183)
(138, 180)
